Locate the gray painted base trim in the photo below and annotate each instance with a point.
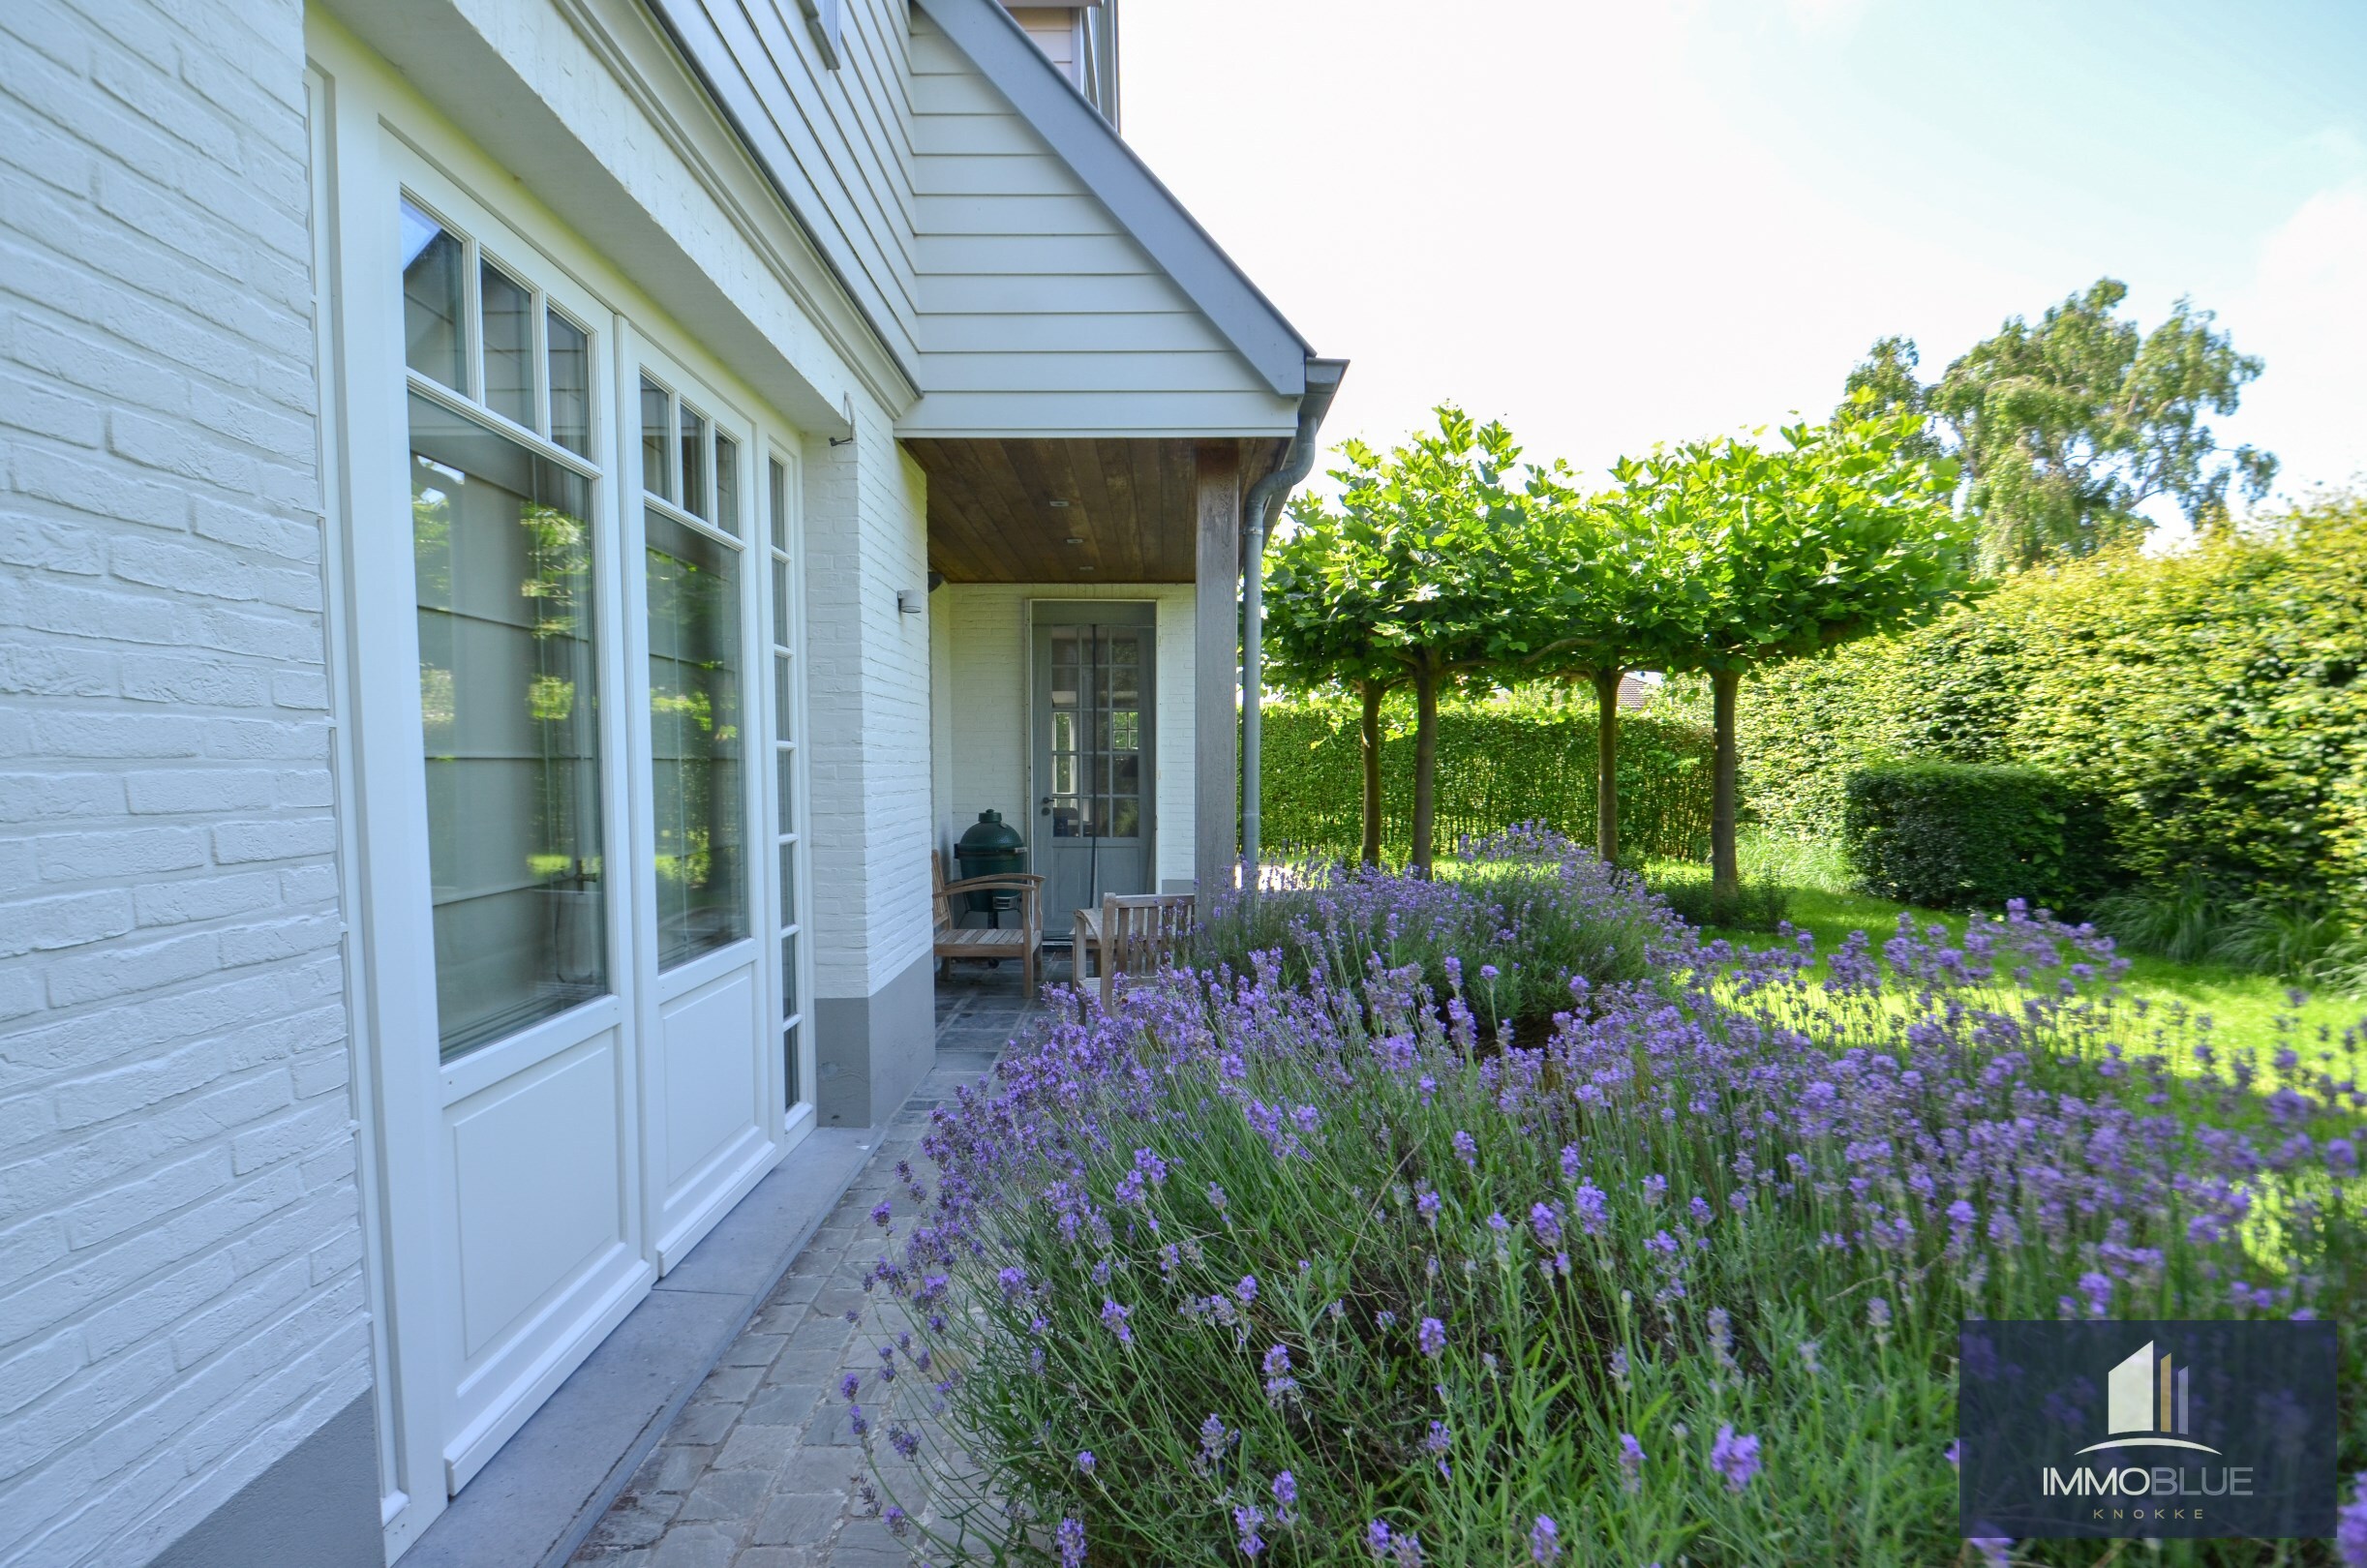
(318, 1507)
(547, 1487)
(871, 1051)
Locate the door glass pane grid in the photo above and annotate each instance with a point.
(477, 330)
(1095, 733)
(502, 554)
(696, 738)
(781, 586)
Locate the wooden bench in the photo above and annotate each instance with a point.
(953, 940)
(1132, 933)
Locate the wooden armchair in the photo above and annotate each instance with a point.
(953, 940)
(1133, 934)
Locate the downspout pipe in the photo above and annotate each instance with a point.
(1265, 499)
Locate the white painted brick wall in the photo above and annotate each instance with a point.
(986, 701)
(181, 1299)
(867, 709)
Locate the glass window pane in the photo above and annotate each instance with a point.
(777, 502)
(694, 466)
(506, 688)
(507, 311)
(695, 740)
(570, 356)
(784, 697)
(780, 602)
(788, 977)
(784, 784)
(727, 483)
(1126, 818)
(435, 315)
(657, 443)
(788, 885)
(789, 1055)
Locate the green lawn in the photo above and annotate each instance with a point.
(2243, 1006)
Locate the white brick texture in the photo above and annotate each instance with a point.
(181, 1299)
(867, 714)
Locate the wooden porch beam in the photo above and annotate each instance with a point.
(1216, 670)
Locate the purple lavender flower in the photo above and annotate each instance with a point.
(1630, 1463)
(1245, 1520)
(1736, 1458)
(1545, 1540)
(1467, 1149)
(904, 1440)
(1286, 1488)
(1377, 1538)
(898, 1522)
(1426, 1203)
(1113, 1318)
(1085, 1461)
(2351, 1526)
(1569, 1162)
(1591, 1206)
(2097, 1289)
(1070, 1539)
(1997, 1550)
(1432, 1338)
(1247, 1289)
(1546, 1224)
(1955, 1458)
(882, 1213)
(1488, 971)
(848, 1385)
(1212, 1437)
(1655, 1188)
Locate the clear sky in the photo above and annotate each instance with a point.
(1616, 224)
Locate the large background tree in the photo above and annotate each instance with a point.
(1844, 531)
(1425, 573)
(2068, 428)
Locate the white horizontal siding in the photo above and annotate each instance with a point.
(1018, 303)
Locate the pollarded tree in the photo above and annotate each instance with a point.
(1425, 561)
(1319, 632)
(1844, 531)
(1613, 598)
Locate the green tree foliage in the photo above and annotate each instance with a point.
(1842, 532)
(1423, 576)
(2216, 698)
(2067, 428)
(1506, 759)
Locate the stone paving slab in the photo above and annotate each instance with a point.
(761, 1471)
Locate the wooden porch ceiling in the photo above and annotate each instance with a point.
(1002, 510)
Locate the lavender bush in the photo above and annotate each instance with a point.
(1296, 1261)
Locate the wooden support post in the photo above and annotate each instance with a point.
(1216, 671)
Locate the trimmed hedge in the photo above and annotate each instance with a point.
(2212, 699)
(1969, 835)
(1502, 761)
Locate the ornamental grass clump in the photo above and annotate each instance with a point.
(1319, 1269)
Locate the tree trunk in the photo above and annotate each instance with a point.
(1606, 764)
(1725, 870)
(1425, 769)
(1371, 732)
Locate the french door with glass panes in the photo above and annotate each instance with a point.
(567, 748)
(707, 1065)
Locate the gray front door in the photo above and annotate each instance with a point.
(1093, 757)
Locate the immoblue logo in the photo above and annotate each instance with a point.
(2103, 1429)
(2147, 1395)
